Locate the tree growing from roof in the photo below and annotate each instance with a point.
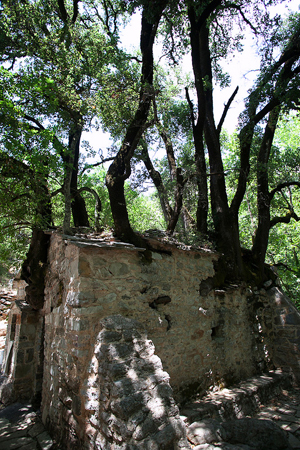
(60, 42)
(207, 24)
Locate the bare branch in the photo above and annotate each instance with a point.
(247, 21)
(75, 10)
(32, 119)
(173, 45)
(226, 108)
(90, 166)
(285, 266)
(284, 219)
(135, 58)
(58, 191)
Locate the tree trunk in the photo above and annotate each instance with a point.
(34, 267)
(261, 238)
(225, 228)
(69, 159)
(158, 183)
(120, 169)
(79, 212)
(198, 128)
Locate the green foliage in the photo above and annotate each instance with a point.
(60, 84)
(65, 70)
(96, 180)
(144, 211)
(284, 165)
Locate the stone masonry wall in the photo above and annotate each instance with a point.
(196, 337)
(128, 401)
(278, 322)
(201, 340)
(22, 366)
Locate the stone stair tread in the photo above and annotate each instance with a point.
(242, 400)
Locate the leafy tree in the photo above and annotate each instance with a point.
(74, 73)
(48, 98)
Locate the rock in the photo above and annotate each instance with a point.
(204, 432)
(238, 434)
(258, 434)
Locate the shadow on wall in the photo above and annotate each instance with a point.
(286, 353)
(127, 401)
(278, 323)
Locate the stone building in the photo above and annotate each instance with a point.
(121, 338)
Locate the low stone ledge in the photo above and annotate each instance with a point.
(240, 401)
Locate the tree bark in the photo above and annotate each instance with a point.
(79, 212)
(120, 169)
(198, 128)
(74, 203)
(175, 175)
(261, 238)
(225, 227)
(34, 267)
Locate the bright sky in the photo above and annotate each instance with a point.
(242, 68)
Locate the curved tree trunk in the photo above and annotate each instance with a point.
(120, 169)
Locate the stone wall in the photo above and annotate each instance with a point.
(22, 366)
(278, 325)
(200, 340)
(121, 400)
(202, 337)
(197, 338)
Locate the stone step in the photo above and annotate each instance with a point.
(242, 400)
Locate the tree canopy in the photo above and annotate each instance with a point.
(64, 70)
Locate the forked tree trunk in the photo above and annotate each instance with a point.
(74, 203)
(226, 231)
(120, 169)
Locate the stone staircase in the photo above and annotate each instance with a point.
(240, 401)
(234, 419)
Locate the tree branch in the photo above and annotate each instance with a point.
(211, 7)
(32, 119)
(58, 191)
(284, 219)
(187, 95)
(247, 21)
(285, 266)
(62, 11)
(97, 164)
(281, 186)
(75, 10)
(226, 108)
